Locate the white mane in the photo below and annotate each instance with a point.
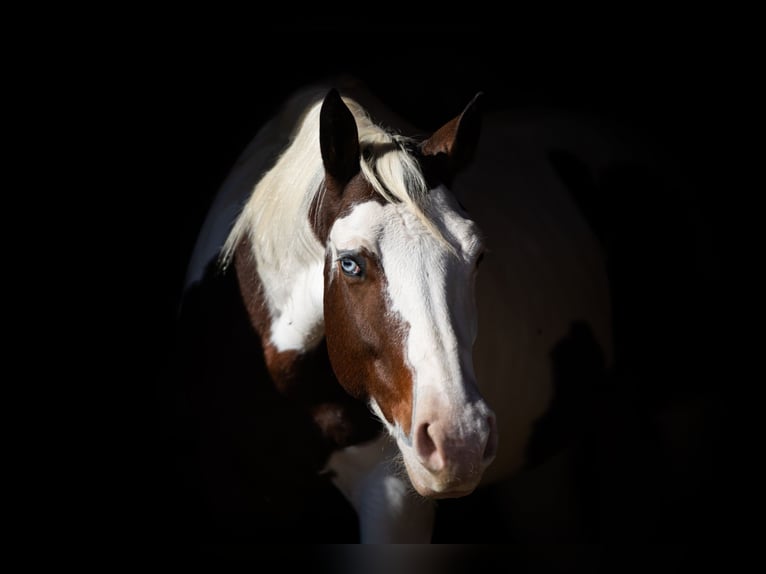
(275, 217)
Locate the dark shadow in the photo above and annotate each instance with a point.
(238, 461)
(473, 519)
(660, 261)
(651, 456)
(581, 184)
(578, 373)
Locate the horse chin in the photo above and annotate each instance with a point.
(426, 493)
(429, 485)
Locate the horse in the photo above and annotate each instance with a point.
(395, 300)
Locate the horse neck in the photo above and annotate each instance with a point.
(285, 306)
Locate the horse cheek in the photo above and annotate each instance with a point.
(342, 341)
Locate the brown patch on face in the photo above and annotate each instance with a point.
(336, 201)
(366, 341)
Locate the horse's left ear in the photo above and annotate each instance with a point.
(338, 139)
(455, 142)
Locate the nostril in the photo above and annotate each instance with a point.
(427, 449)
(490, 450)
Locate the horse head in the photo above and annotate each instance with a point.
(399, 307)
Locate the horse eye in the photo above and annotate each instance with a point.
(479, 259)
(350, 267)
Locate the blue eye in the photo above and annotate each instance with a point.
(350, 267)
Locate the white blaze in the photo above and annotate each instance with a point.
(429, 287)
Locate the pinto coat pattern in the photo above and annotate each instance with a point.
(401, 296)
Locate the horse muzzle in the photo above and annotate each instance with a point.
(448, 461)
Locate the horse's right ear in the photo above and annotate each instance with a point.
(338, 139)
(453, 145)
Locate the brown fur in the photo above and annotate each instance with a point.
(368, 355)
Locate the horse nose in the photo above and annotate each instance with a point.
(437, 448)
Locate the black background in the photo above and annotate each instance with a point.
(182, 102)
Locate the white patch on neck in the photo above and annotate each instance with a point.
(296, 307)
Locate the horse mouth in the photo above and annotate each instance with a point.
(441, 494)
(429, 486)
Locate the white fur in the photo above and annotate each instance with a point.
(298, 323)
(430, 287)
(418, 267)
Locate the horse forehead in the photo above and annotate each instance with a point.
(360, 227)
(373, 224)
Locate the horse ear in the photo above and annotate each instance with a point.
(338, 138)
(455, 142)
